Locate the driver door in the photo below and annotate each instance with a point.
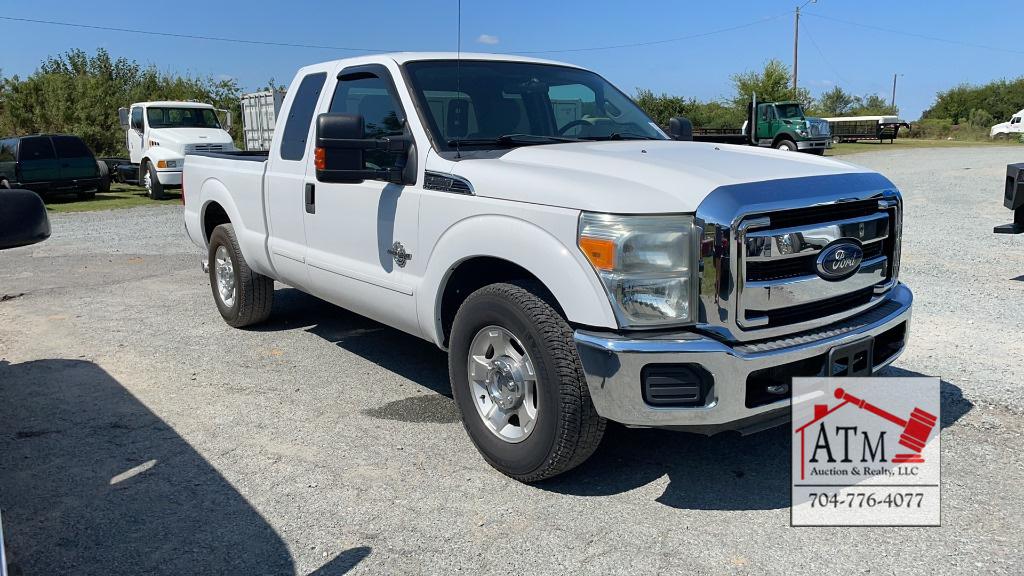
(356, 233)
(136, 134)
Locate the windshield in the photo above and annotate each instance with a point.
(476, 103)
(182, 118)
(789, 110)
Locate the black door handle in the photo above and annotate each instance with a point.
(310, 198)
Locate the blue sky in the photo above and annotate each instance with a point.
(860, 59)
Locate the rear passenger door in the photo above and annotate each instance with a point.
(285, 180)
(37, 160)
(76, 160)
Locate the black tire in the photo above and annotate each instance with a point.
(104, 184)
(253, 294)
(568, 429)
(786, 144)
(155, 188)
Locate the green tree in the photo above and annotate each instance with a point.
(873, 105)
(79, 94)
(835, 102)
(774, 83)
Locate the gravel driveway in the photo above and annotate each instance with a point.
(139, 434)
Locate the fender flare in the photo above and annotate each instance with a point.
(563, 269)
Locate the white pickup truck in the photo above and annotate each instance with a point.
(159, 134)
(576, 264)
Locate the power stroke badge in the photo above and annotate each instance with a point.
(866, 452)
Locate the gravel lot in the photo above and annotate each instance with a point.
(140, 434)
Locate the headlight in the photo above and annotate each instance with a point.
(645, 263)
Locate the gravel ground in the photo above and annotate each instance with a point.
(140, 434)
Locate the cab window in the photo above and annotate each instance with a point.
(36, 148)
(371, 95)
(137, 119)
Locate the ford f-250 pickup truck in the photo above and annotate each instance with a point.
(576, 264)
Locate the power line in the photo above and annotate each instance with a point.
(822, 54)
(916, 35)
(654, 42)
(192, 36)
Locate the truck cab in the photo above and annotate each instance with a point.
(784, 125)
(1012, 127)
(159, 134)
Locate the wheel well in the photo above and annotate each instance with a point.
(781, 137)
(213, 216)
(475, 273)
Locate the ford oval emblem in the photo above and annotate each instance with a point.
(839, 260)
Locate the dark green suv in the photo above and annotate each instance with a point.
(49, 164)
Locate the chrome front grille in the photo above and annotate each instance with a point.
(760, 243)
(778, 284)
(189, 148)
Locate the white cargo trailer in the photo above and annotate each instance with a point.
(259, 114)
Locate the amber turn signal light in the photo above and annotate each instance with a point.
(600, 252)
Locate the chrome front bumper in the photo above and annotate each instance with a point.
(613, 366)
(811, 144)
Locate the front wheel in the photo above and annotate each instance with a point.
(786, 144)
(519, 384)
(243, 297)
(154, 189)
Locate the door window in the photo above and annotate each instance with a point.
(38, 148)
(137, 119)
(7, 150)
(371, 95)
(300, 116)
(71, 147)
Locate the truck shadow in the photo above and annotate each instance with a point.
(722, 472)
(93, 482)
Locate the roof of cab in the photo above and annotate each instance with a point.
(175, 103)
(404, 57)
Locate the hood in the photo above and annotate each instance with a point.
(1001, 127)
(633, 176)
(179, 137)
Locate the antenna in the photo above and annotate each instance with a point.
(458, 72)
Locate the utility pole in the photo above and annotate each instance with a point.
(796, 46)
(796, 41)
(893, 101)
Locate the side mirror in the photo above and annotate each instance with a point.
(23, 219)
(226, 114)
(340, 145)
(122, 116)
(680, 128)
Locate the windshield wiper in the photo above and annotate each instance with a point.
(511, 140)
(621, 136)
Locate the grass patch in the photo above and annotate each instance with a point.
(905, 143)
(120, 196)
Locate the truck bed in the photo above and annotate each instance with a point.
(246, 155)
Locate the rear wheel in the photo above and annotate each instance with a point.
(154, 189)
(104, 183)
(519, 384)
(243, 297)
(786, 144)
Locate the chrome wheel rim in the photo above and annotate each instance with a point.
(147, 181)
(224, 274)
(503, 382)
